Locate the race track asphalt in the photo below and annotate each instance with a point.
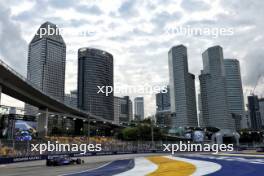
(184, 165)
(147, 164)
(38, 168)
(113, 168)
(235, 166)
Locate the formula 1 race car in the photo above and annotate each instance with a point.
(62, 160)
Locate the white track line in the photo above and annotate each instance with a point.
(238, 154)
(79, 172)
(142, 167)
(202, 167)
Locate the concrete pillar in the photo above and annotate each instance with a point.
(42, 127)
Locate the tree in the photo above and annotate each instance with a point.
(130, 134)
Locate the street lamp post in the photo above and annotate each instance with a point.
(152, 133)
(89, 129)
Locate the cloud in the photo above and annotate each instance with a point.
(194, 5)
(93, 10)
(58, 4)
(133, 31)
(35, 15)
(13, 47)
(255, 66)
(164, 17)
(247, 42)
(128, 9)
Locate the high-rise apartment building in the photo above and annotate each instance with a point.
(215, 109)
(182, 88)
(46, 64)
(95, 71)
(139, 108)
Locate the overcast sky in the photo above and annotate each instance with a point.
(135, 32)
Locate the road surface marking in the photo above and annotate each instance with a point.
(202, 167)
(171, 167)
(142, 167)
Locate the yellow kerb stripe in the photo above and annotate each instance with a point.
(169, 167)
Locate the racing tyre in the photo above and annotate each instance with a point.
(78, 161)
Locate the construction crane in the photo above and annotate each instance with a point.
(253, 91)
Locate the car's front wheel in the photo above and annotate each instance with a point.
(78, 161)
(49, 163)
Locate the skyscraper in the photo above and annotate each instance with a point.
(182, 88)
(163, 101)
(215, 110)
(253, 108)
(235, 92)
(200, 115)
(139, 108)
(71, 99)
(46, 63)
(261, 109)
(95, 69)
(123, 109)
(163, 113)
